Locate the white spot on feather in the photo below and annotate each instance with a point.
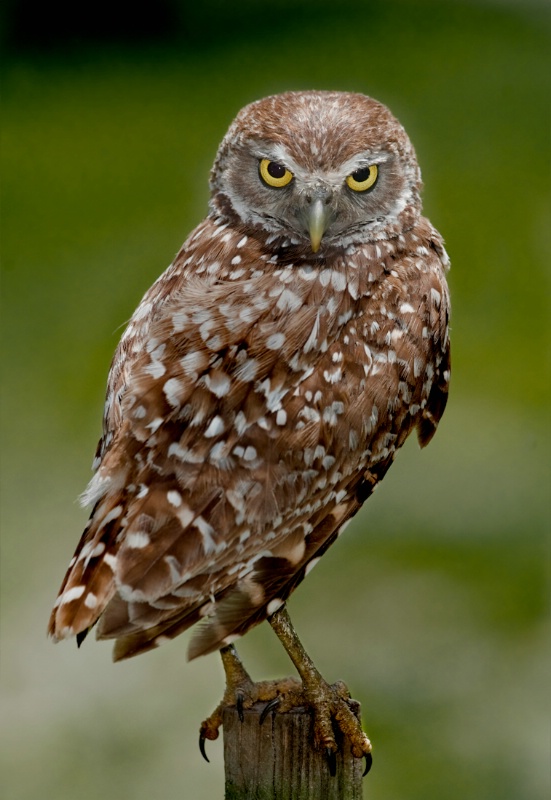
(91, 600)
(206, 532)
(274, 605)
(94, 552)
(110, 560)
(136, 540)
(249, 454)
(192, 362)
(273, 396)
(215, 428)
(72, 594)
(338, 279)
(185, 515)
(113, 514)
(310, 566)
(179, 321)
(233, 637)
(275, 341)
(155, 369)
(174, 498)
(311, 341)
(332, 376)
(218, 383)
(288, 301)
(324, 277)
(184, 454)
(173, 391)
(240, 422)
(155, 424)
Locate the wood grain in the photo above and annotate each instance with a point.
(278, 761)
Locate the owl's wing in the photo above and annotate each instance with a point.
(196, 462)
(436, 319)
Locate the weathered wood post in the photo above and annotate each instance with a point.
(277, 760)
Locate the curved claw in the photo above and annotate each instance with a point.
(202, 741)
(267, 708)
(239, 700)
(368, 764)
(331, 757)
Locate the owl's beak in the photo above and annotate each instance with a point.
(317, 218)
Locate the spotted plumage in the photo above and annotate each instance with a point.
(266, 380)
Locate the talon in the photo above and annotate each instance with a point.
(368, 764)
(331, 761)
(202, 741)
(239, 700)
(267, 708)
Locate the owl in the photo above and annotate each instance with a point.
(260, 393)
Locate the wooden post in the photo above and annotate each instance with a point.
(277, 760)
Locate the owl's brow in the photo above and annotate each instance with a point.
(279, 153)
(365, 159)
(273, 151)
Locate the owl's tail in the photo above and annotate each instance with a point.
(89, 583)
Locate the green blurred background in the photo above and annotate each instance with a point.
(432, 605)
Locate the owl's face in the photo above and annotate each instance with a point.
(318, 169)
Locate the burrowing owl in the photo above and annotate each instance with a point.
(262, 388)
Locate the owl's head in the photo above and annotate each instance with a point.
(320, 170)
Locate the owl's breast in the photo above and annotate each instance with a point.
(240, 371)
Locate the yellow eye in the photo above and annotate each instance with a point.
(274, 174)
(363, 179)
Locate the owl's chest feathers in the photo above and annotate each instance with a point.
(236, 352)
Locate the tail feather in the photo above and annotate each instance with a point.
(142, 641)
(89, 582)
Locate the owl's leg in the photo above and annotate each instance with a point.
(242, 692)
(237, 678)
(330, 703)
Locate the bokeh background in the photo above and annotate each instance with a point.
(432, 605)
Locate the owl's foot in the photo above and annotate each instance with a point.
(331, 707)
(242, 692)
(331, 704)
